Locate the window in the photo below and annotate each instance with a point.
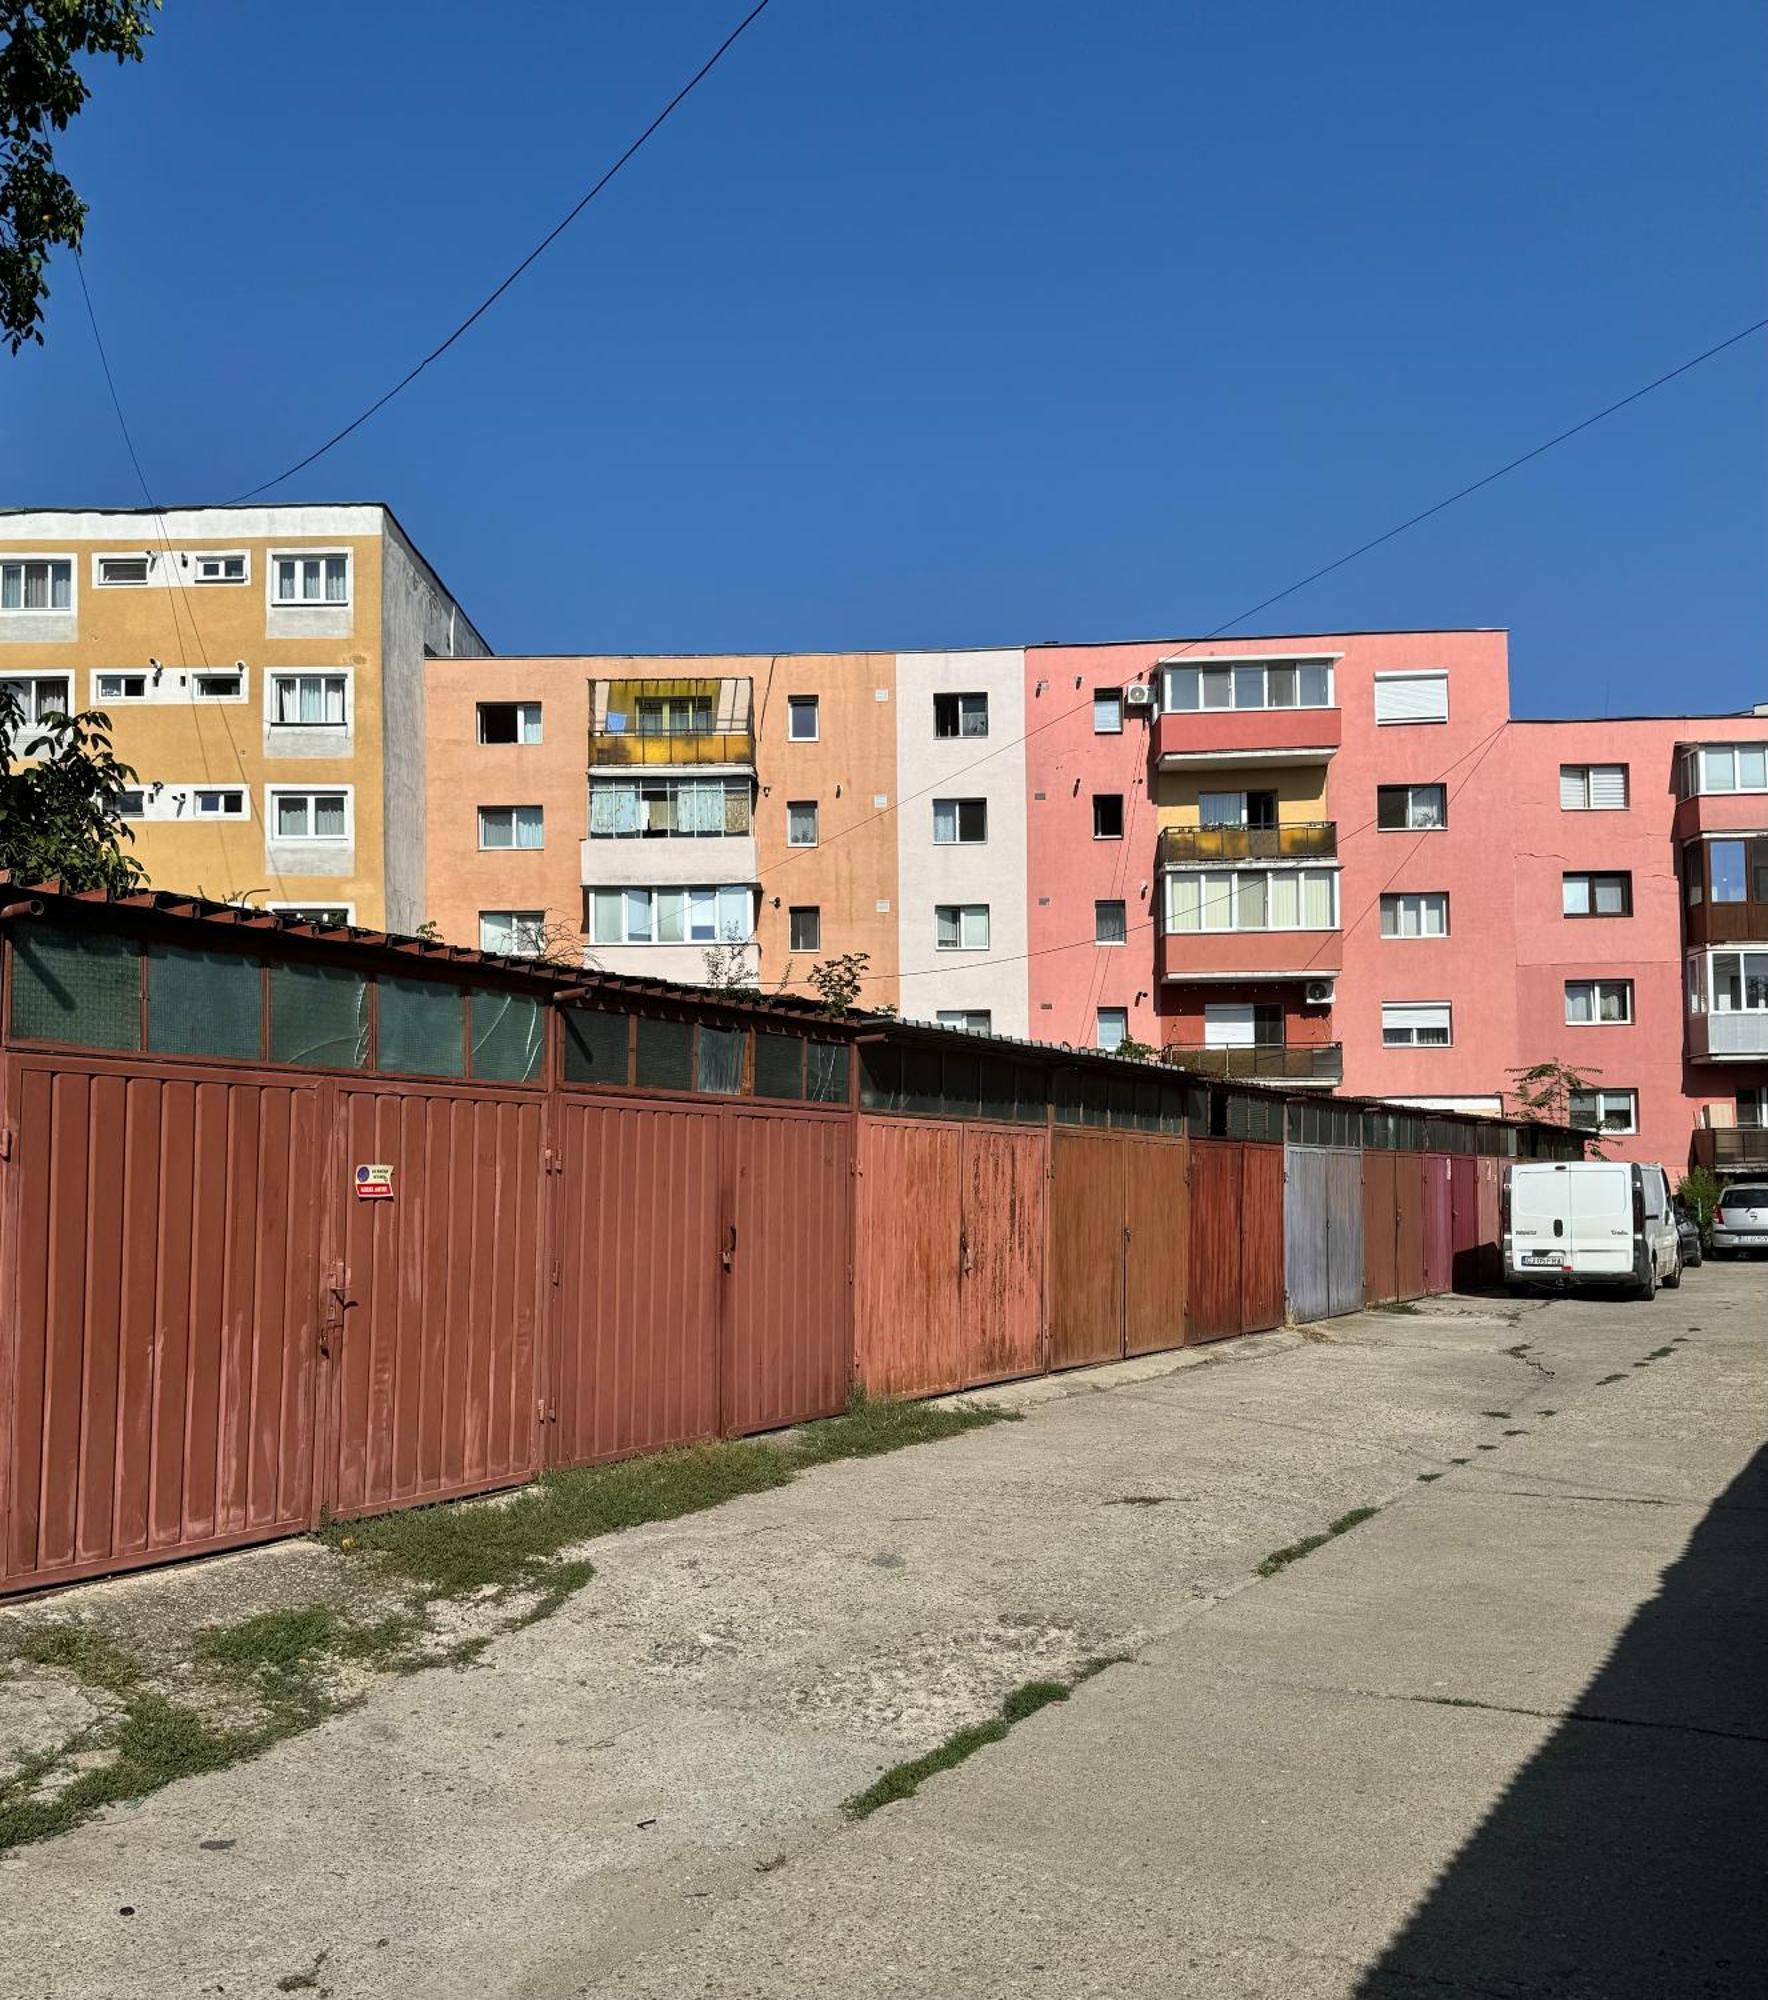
(513, 722)
(1726, 767)
(310, 579)
(39, 695)
(1108, 711)
(223, 802)
(511, 826)
(801, 823)
(960, 715)
(1411, 808)
(1422, 697)
(119, 687)
(1108, 815)
(1752, 1106)
(722, 915)
(1415, 1025)
(973, 1020)
(961, 926)
(1251, 899)
(1249, 684)
(221, 569)
(123, 569)
(1740, 982)
(309, 700)
(1598, 1003)
(1606, 1110)
(665, 808)
(1425, 914)
(310, 815)
(218, 687)
(1229, 1024)
(1597, 895)
(675, 715)
(960, 822)
(1727, 872)
(1592, 787)
(42, 584)
(1112, 1027)
(131, 804)
(802, 718)
(805, 927)
(520, 933)
(1110, 923)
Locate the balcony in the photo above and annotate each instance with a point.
(1287, 1063)
(678, 862)
(674, 723)
(1304, 840)
(1725, 923)
(1247, 736)
(1731, 1037)
(1250, 955)
(1736, 1149)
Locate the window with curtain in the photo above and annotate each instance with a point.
(1598, 1003)
(1415, 915)
(519, 932)
(37, 584)
(961, 926)
(1108, 711)
(801, 823)
(1411, 808)
(311, 816)
(1248, 684)
(311, 579)
(959, 822)
(308, 698)
(1592, 787)
(1415, 1024)
(1606, 1110)
(1740, 982)
(1110, 923)
(1727, 871)
(721, 915)
(1597, 895)
(1251, 899)
(1733, 767)
(511, 826)
(1112, 1028)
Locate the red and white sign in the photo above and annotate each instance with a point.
(374, 1183)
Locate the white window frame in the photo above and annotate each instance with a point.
(967, 1020)
(793, 912)
(1213, 898)
(199, 792)
(1123, 816)
(1581, 779)
(241, 674)
(1121, 905)
(814, 808)
(513, 846)
(1173, 677)
(804, 704)
(967, 915)
(275, 676)
(957, 835)
(1700, 785)
(19, 562)
(101, 674)
(274, 794)
(102, 582)
(1393, 901)
(1413, 677)
(242, 556)
(30, 683)
(1110, 696)
(1743, 953)
(1411, 1030)
(716, 891)
(1118, 1014)
(280, 556)
(1425, 785)
(530, 923)
(518, 741)
(139, 794)
(960, 696)
(1629, 1092)
(308, 903)
(1595, 988)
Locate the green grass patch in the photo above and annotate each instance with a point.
(1516, 1431)
(1403, 1308)
(1425, 1478)
(82, 1651)
(1461, 1461)
(1546, 1413)
(902, 1781)
(1501, 1415)
(1605, 1380)
(868, 1428)
(1282, 1558)
(1658, 1353)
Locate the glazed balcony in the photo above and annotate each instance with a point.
(1728, 1005)
(1293, 1063)
(1301, 840)
(1247, 736)
(679, 722)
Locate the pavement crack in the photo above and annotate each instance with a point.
(1577, 1715)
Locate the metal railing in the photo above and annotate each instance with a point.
(625, 748)
(1720, 1146)
(1267, 1062)
(1302, 840)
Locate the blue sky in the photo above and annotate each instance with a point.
(957, 322)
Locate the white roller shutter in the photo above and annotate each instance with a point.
(1572, 789)
(1608, 787)
(1412, 697)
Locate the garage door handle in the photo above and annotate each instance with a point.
(730, 1245)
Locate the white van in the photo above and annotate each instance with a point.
(1596, 1222)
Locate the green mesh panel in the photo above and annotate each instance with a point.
(422, 1028)
(69, 986)
(665, 1055)
(718, 1066)
(318, 1017)
(595, 1047)
(509, 1036)
(203, 1003)
(779, 1066)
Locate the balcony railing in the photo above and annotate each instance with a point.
(1274, 1062)
(627, 748)
(1304, 840)
(1735, 1147)
(675, 719)
(1738, 1035)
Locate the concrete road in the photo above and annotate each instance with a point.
(1509, 1737)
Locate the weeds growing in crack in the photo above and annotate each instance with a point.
(1282, 1558)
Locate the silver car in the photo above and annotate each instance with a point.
(1741, 1220)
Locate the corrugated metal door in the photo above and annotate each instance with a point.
(1261, 1237)
(1086, 1248)
(433, 1386)
(1439, 1222)
(1307, 1232)
(1409, 1226)
(161, 1311)
(1464, 1221)
(1157, 1227)
(908, 1221)
(1380, 1227)
(639, 1203)
(1345, 1234)
(1489, 1195)
(1001, 1294)
(786, 1341)
(1213, 1286)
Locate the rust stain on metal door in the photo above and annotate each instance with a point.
(1001, 1289)
(907, 1226)
(1157, 1221)
(1086, 1248)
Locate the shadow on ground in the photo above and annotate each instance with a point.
(1630, 1855)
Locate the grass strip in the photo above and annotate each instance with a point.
(902, 1781)
(1282, 1558)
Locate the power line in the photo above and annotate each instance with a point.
(485, 304)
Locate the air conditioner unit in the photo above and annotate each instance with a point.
(1138, 695)
(1318, 993)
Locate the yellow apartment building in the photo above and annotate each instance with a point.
(263, 671)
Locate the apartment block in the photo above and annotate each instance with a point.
(263, 671)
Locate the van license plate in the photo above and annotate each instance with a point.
(1542, 1257)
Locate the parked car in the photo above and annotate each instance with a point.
(1740, 1222)
(1688, 1230)
(1592, 1222)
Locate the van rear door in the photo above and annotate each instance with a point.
(1601, 1229)
(1540, 1219)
